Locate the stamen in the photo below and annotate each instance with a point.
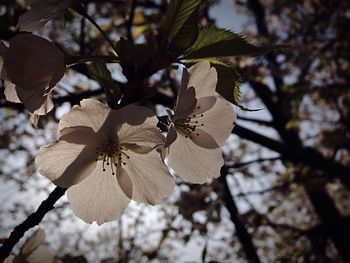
(189, 125)
(111, 155)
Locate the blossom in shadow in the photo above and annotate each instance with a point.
(33, 251)
(31, 67)
(200, 125)
(107, 157)
(40, 12)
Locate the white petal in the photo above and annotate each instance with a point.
(186, 97)
(218, 121)
(194, 163)
(139, 127)
(10, 92)
(40, 255)
(204, 139)
(40, 13)
(33, 242)
(34, 119)
(66, 163)
(124, 182)
(33, 62)
(33, 100)
(171, 136)
(10, 259)
(34, 18)
(185, 104)
(203, 78)
(98, 198)
(150, 177)
(92, 113)
(46, 107)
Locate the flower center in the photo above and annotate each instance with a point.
(111, 155)
(187, 127)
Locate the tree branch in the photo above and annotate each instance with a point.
(130, 20)
(32, 220)
(304, 155)
(242, 233)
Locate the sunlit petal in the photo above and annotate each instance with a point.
(139, 127)
(66, 163)
(98, 198)
(150, 177)
(203, 78)
(217, 122)
(193, 163)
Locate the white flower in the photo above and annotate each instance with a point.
(31, 67)
(200, 126)
(107, 157)
(32, 250)
(41, 12)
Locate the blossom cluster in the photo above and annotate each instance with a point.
(107, 157)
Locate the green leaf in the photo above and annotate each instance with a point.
(178, 13)
(102, 75)
(213, 42)
(186, 36)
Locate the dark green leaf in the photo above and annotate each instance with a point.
(177, 14)
(213, 42)
(186, 36)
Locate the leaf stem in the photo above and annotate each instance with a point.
(76, 60)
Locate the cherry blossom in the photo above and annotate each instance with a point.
(31, 67)
(107, 157)
(32, 250)
(40, 12)
(201, 124)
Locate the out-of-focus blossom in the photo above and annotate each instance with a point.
(200, 126)
(31, 67)
(40, 12)
(33, 251)
(107, 157)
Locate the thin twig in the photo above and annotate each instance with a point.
(81, 11)
(130, 20)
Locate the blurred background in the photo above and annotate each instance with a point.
(283, 194)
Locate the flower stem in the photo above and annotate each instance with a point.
(81, 11)
(31, 221)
